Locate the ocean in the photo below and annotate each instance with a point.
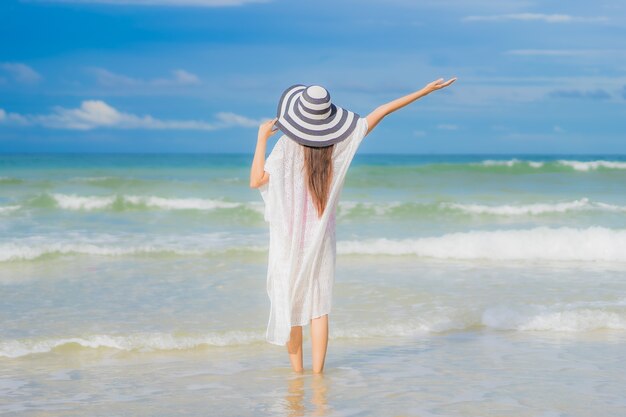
(466, 285)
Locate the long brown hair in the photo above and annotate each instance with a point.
(318, 167)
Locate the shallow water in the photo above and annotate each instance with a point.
(465, 285)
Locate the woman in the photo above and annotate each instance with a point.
(300, 183)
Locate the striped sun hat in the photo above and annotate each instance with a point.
(306, 115)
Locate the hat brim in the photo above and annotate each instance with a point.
(338, 126)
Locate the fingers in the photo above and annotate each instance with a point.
(438, 84)
(269, 122)
(272, 126)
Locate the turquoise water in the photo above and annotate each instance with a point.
(466, 285)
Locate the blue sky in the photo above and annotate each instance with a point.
(198, 75)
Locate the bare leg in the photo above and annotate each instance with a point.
(319, 342)
(294, 347)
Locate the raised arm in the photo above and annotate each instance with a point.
(381, 111)
(258, 176)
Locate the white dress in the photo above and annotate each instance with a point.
(302, 249)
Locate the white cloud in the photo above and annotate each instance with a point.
(93, 114)
(419, 133)
(548, 18)
(20, 73)
(180, 77)
(12, 118)
(236, 120)
(172, 3)
(183, 77)
(447, 127)
(108, 78)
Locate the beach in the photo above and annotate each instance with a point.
(466, 285)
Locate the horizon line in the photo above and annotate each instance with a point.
(357, 154)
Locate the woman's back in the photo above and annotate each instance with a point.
(302, 244)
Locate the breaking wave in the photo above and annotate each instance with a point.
(593, 165)
(139, 342)
(561, 163)
(494, 318)
(541, 243)
(535, 208)
(75, 202)
(582, 320)
(252, 211)
(537, 244)
(122, 202)
(346, 209)
(35, 247)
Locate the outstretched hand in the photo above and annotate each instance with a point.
(266, 129)
(381, 111)
(439, 84)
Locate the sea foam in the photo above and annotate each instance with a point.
(9, 209)
(581, 320)
(593, 165)
(179, 203)
(493, 318)
(537, 244)
(76, 202)
(25, 252)
(574, 164)
(348, 208)
(139, 342)
(534, 208)
(35, 247)
(541, 243)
